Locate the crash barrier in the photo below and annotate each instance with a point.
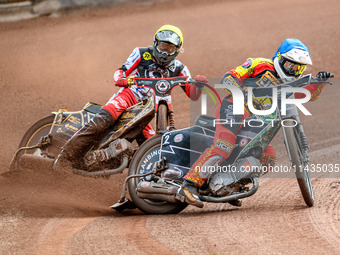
(16, 10)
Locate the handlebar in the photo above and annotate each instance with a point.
(131, 81)
(315, 80)
(303, 81)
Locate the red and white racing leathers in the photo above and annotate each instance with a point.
(141, 63)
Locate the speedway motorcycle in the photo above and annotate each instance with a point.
(157, 169)
(43, 141)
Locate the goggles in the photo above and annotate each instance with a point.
(291, 68)
(294, 68)
(167, 48)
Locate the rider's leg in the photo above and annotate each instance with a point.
(200, 171)
(223, 145)
(95, 130)
(79, 144)
(268, 158)
(148, 131)
(219, 151)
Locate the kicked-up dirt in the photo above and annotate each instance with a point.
(51, 63)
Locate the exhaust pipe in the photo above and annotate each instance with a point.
(158, 192)
(166, 192)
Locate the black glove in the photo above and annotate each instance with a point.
(323, 75)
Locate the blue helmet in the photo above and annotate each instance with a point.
(291, 58)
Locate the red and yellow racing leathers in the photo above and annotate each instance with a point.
(255, 72)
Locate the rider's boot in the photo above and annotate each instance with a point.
(189, 193)
(80, 143)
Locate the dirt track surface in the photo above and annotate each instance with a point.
(52, 63)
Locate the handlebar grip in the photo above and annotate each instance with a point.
(332, 75)
(131, 81)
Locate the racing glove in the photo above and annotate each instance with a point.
(323, 75)
(122, 82)
(193, 91)
(201, 81)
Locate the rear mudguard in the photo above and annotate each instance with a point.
(67, 123)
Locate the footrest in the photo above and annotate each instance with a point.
(121, 206)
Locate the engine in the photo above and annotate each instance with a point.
(231, 178)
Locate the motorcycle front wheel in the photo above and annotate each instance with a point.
(301, 168)
(143, 160)
(162, 117)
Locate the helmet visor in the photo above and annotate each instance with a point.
(292, 68)
(167, 48)
(169, 36)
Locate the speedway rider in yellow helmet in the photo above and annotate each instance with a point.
(158, 61)
(167, 43)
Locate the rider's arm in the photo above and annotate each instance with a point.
(131, 63)
(231, 78)
(314, 89)
(252, 68)
(237, 75)
(192, 91)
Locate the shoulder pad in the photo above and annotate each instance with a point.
(177, 63)
(248, 63)
(145, 53)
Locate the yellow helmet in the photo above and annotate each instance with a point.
(167, 43)
(171, 34)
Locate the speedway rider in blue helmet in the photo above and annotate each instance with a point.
(290, 59)
(288, 63)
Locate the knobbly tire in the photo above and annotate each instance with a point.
(301, 172)
(33, 135)
(162, 118)
(145, 156)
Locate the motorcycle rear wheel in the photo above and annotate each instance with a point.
(148, 148)
(301, 169)
(33, 135)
